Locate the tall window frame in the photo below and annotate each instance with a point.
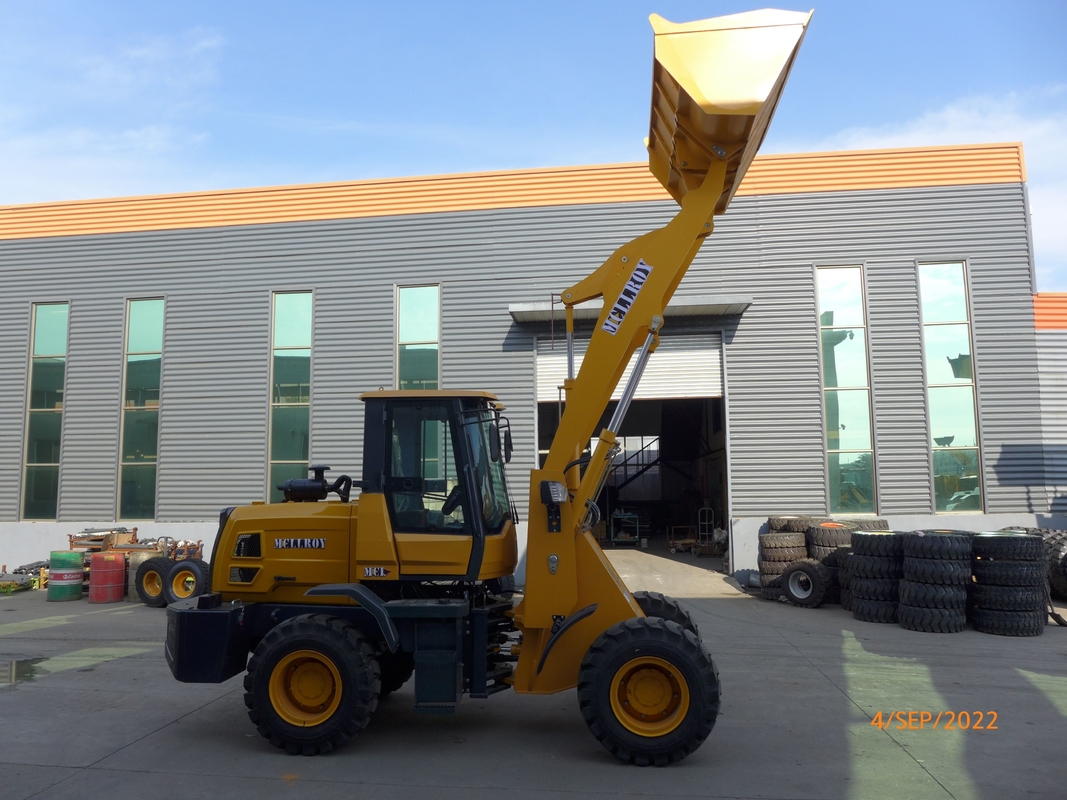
(953, 414)
(845, 377)
(42, 448)
(142, 382)
(289, 423)
(417, 336)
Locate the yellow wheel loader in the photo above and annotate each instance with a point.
(340, 602)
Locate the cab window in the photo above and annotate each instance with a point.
(422, 483)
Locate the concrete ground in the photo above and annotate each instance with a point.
(89, 709)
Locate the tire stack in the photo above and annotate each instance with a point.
(875, 568)
(1056, 553)
(844, 576)
(825, 538)
(937, 572)
(778, 549)
(1008, 594)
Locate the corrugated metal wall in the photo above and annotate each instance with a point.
(216, 354)
(1052, 363)
(684, 365)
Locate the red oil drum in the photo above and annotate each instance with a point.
(107, 577)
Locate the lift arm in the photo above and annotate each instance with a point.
(716, 84)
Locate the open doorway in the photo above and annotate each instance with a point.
(672, 466)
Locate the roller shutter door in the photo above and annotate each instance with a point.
(687, 365)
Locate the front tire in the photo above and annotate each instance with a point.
(660, 606)
(649, 691)
(312, 684)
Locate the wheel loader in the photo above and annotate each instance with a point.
(341, 601)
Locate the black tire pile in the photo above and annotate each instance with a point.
(1008, 593)
(1056, 553)
(778, 549)
(875, 567)
(937, 572)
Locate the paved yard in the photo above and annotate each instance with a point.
(94, 712)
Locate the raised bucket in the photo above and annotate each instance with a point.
(66, 572)
(107, 577)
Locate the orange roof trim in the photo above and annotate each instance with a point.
(612, 183)
(1050, 311)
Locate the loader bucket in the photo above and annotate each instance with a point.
(715, 85)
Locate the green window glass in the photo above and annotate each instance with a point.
(140, 409)
(846, 389)
(44, 422)
(944, 293)
(418, 337)
(950, 391)
(290, 394)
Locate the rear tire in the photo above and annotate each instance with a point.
(151, 578)
(660, 606)
(312, 684)
(649, 691)
(185, 579)
(806, 583)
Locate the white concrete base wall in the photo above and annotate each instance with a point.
(25, 542)
(744, 536)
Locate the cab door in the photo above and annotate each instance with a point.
(424, 489)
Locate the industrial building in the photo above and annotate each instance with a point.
(861, 336)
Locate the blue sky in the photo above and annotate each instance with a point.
(117, 98)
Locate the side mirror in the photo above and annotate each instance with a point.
(508, 448)
(494, 442)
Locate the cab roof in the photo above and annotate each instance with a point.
(426, 393)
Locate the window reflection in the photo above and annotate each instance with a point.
(848, 420)
(948, 354)
(840, 297)
(844, 357)
(290, 392)
(140, 414)
(952, 416)
(44, 422)
(944, 296)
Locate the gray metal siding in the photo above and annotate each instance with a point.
(213, 403)
(904, 476)
(213, 445)
(14, 365)
(91, 399)
(1052, 364)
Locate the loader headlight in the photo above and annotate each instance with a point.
(553, 493)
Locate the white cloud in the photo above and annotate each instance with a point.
(171, 64)
(1036, 118)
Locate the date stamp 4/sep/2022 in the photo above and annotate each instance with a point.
(941, 721)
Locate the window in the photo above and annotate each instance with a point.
(418, 334)
(950, 387)
(140, 409)
(422, 482)
(290, 399)
(846, 389)
(44, 421)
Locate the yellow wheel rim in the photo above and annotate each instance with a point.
(153, 584)
(305, 688)
(649, 696)
(183, 583)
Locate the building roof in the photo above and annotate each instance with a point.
(1050, 311)
(611, 183)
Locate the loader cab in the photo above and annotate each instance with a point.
(439, 460)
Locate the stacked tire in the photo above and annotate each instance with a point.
(844, 576)
(875, 567)
(825, 539)
(1008, 594)
(937, 572)
(778, 549)
(1056, 554)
